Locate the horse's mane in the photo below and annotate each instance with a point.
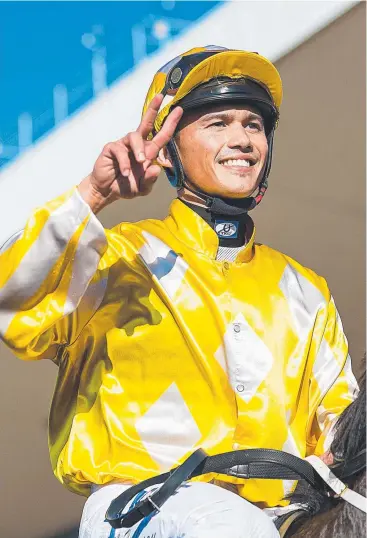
(349, 439)
(350, 433)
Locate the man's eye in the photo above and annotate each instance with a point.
(218, 123)
(253, 125)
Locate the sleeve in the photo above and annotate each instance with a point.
(332, 383)
(46, 272)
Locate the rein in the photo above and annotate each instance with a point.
(336, 485)
(251, 463)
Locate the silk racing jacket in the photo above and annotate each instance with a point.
(161, 349)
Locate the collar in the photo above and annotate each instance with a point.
(230, 229)
(189, 228)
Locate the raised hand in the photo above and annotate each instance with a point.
(125, 168)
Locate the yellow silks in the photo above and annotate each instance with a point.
(161, 349)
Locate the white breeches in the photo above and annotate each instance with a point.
(197, 510)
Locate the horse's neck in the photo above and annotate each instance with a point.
(359, 483)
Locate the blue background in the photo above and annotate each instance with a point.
(40, 46)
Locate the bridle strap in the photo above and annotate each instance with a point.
(336, 485)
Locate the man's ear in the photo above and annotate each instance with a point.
(164, 158)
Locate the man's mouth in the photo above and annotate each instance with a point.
(237, 163)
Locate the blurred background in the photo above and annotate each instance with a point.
(74, 76)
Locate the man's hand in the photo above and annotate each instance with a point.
(125, 168)
(327, 458)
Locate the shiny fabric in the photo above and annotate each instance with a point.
(161, 349)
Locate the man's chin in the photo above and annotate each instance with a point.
(235, 186)
(229, 186)
(235, 191)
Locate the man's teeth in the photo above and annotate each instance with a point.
(236, 162)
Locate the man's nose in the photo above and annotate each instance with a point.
(239, 137)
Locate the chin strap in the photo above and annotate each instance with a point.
(230, 207)
(216, 204)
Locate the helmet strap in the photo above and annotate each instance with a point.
(216, 204)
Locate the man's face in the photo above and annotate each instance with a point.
(223, 149)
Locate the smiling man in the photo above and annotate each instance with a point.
(183, 333)
(233, 148)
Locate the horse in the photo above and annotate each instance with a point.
(328, 516)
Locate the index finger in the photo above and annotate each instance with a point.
(147, 123)
(162, 138)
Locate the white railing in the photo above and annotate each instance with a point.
(151, 32)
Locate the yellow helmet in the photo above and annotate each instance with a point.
(206, 74)
(180, 76)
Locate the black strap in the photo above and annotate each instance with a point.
(252, 463)
(150, 503)
(287, 524)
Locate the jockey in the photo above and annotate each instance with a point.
(180, 333)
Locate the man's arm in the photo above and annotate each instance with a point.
(46, 272)
(52, 269)
(332, 383)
